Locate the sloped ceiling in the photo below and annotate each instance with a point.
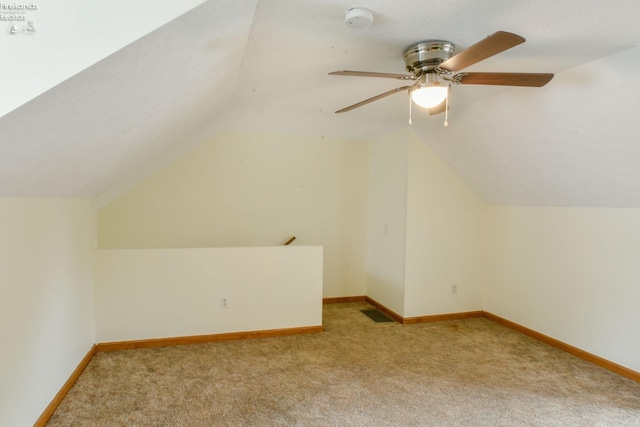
(262, 66)
(129, 113)
(59, 48)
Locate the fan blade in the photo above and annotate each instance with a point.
(492, 45)
(372, 74)
(375, 98)
(506, 79)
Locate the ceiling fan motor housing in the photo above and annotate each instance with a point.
(424, 57)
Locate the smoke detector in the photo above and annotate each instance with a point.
(358, 17)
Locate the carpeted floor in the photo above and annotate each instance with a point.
(357, 373)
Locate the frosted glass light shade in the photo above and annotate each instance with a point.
(429, 95)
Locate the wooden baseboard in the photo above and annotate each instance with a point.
(387, 312)
(337, 300)
(441, 317)
(51, 408)
(597, 360)
(201, 339)
(423, 319)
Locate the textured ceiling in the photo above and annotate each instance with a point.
(262, 66)
(59, 49)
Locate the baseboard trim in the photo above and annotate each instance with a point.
(389, 313)
(201, 339)
(338, 300)
(51, 408)
(589, 357)
(441, 317)
(423, 319)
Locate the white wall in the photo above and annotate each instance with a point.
(446, 237)
(47, 256)
(244, 189)
(570, 273)
(387, 220)
(160, 293)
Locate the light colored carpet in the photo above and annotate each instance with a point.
(357, 373)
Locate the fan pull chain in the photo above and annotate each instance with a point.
(410, 122)
(446, 109)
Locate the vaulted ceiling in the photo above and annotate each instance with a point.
(262, 65)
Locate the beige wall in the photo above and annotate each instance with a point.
(387, 220)
(242, 189)
(47, 255)
(427, 231)
(570, 273)
(160, 293)
(446, 237)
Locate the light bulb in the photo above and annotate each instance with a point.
(429, 94)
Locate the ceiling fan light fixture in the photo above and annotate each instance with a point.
(432, 60)
(430, 94)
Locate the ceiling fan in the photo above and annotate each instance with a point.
(433, 67)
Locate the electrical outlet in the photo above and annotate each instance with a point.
(454, 288)
(224, 302)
